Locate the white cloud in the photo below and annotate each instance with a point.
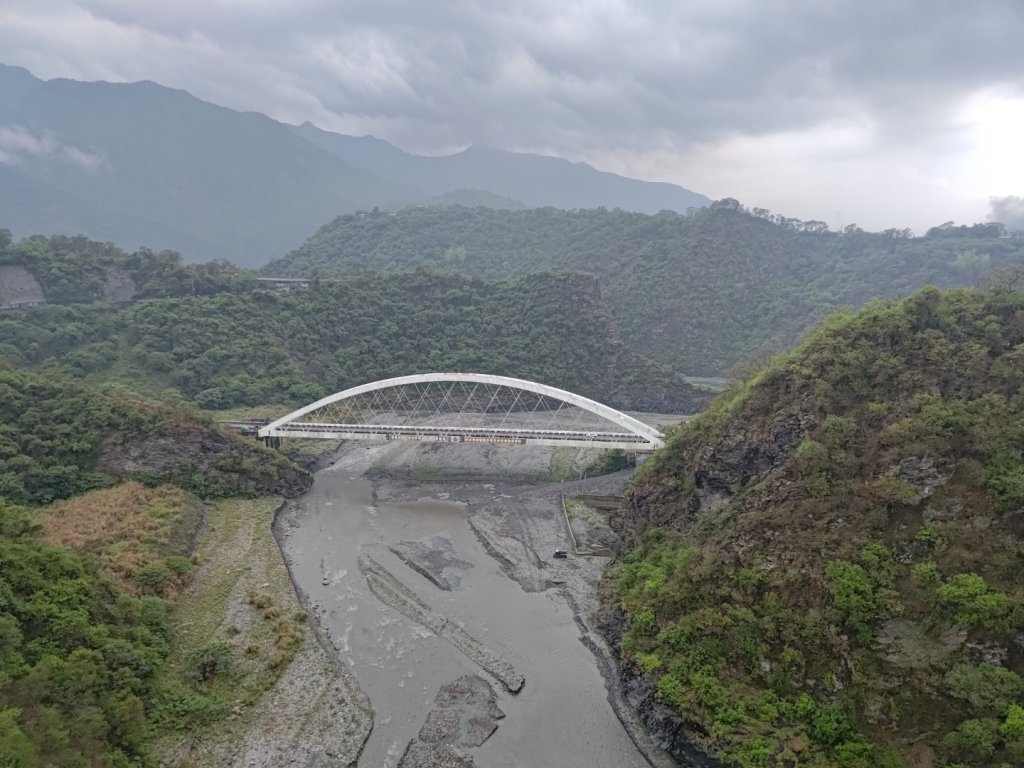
(18, 143)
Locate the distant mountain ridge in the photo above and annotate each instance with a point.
(536, 180)
(142, 164)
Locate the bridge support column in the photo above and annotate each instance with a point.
(272, 442)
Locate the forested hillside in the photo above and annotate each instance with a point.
(534, 180)
(84, 623)
(66, 270)
(233, 343)
(698, 292)
(827, 563)
(140, 163)
(61, 437)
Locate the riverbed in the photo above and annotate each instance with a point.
(418, 581)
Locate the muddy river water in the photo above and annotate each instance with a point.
(560, 717)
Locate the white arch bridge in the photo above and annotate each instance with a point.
(465, 408)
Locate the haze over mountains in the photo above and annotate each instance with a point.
(144, 165)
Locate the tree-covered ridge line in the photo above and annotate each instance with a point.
(68, 270)
(827, 562)
(698, 292)
(241, 345)
(60, 438)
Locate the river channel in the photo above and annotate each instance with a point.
(348, 522)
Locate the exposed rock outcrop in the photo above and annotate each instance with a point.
(18, 288)
(202, 459)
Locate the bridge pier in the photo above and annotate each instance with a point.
(271, 441)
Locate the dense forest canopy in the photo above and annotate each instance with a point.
(698, 292)
(60, 437)
(232, 343)
(827, 563)
(77, 269)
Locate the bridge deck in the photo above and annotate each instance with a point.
(497, 435)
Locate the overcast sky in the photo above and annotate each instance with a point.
(887, 113)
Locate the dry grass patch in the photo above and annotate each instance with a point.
(139, 534)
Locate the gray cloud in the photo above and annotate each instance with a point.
(534, 73)
(1008, 210)
(587, 79)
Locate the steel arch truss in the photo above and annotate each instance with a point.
(466, 408)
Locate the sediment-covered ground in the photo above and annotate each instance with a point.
(427, 565)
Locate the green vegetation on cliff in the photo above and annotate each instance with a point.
(697, 292)
(77, 656)
(827, 563)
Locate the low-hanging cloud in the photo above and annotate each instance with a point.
(18, 144)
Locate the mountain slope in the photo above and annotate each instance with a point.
(535, 180)
(140, 163)
(695, 292)
(93, 661)
(225, 340)
(159, 166)
(61, 437)
(828, 561)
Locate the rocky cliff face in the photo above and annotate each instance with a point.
(18, 288)
(826, 564)
(680, 736)
(203, 460)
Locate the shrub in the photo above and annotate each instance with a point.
(643, 622)
(988, 688)
(840, 431)
(857, 601)
(894, 490)
(929, 538)
(209, 661)
(974, 738)
(179, 565)
(830, 725)
(673, 692)
(1006, 486)
(927, 577)
(975, 604)
(152, 577)
(811, 458)
(1012, 728)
